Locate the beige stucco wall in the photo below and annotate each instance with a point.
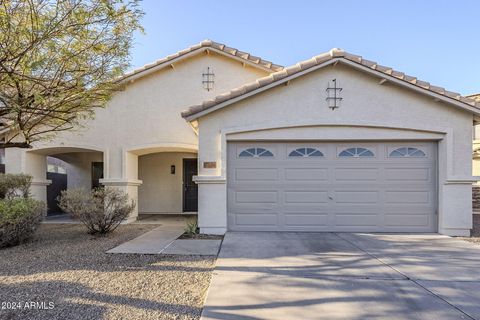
(161, 191)
(143, 118)
(369, 111)
(79, 168)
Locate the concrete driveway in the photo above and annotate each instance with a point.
(344, 276)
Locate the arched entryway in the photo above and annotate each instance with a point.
(166, 172)
(59, 168)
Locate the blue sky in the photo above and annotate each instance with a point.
(434, 40)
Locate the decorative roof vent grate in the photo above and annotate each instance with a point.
(208, 79)
(333, 94)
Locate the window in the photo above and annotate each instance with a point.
(55, 165)
(255, 153)
(306, 153)
(407, 152)
(356, 152)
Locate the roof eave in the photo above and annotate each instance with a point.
(221, 105)
(154, 68)
(437, 96)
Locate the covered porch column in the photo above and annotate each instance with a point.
(18, 160)
(121, 172)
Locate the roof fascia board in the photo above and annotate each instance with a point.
(195, 52)
(355, 65)
(254, 92)
(412, 86)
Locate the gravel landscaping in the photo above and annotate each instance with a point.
(66, 266)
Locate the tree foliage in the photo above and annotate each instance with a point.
(59, 60)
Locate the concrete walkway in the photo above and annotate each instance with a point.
(344, 276)
(152, 242)
(170, 227)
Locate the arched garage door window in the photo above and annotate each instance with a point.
(407, 152)
(356, 153)
(306, 153)
(255, 153)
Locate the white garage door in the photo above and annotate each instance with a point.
(383, 187)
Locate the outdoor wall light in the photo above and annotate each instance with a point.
(172, 169)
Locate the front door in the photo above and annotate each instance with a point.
(190, 188)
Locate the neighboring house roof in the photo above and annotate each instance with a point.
(205, 45)
(475, 96)
(317, 62)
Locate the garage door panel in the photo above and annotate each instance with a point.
(407, 220)
(407, 210)
(305, 196)
(256, 174)
(356, 196)
(306, 174)
(256, 197)
(355, 219)
(357, 174)
(408, 174)
(407, 197)
(383, 192)
(260, 219)
(306, 219)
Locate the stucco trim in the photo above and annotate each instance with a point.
(462, 180)
(225, 132)
(333, 57)
(289, 124)
(47, 149)
(209, 179)
(144, 149)
(41, 182)
(121, 182)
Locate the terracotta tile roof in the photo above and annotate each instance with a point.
(334, 54)
(204, 45)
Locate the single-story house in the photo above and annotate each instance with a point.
(333, 143)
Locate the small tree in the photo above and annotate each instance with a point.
(58, 61)
(100, 210)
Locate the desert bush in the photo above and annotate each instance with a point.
(192, 226)
(19, 218)
(100, 210)
(15, 185)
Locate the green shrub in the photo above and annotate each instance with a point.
(100, 210)
(19, 218)
(14, 185)
(192, 226)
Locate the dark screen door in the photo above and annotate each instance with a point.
(190, 188)
(97, 174)
(59, 183)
